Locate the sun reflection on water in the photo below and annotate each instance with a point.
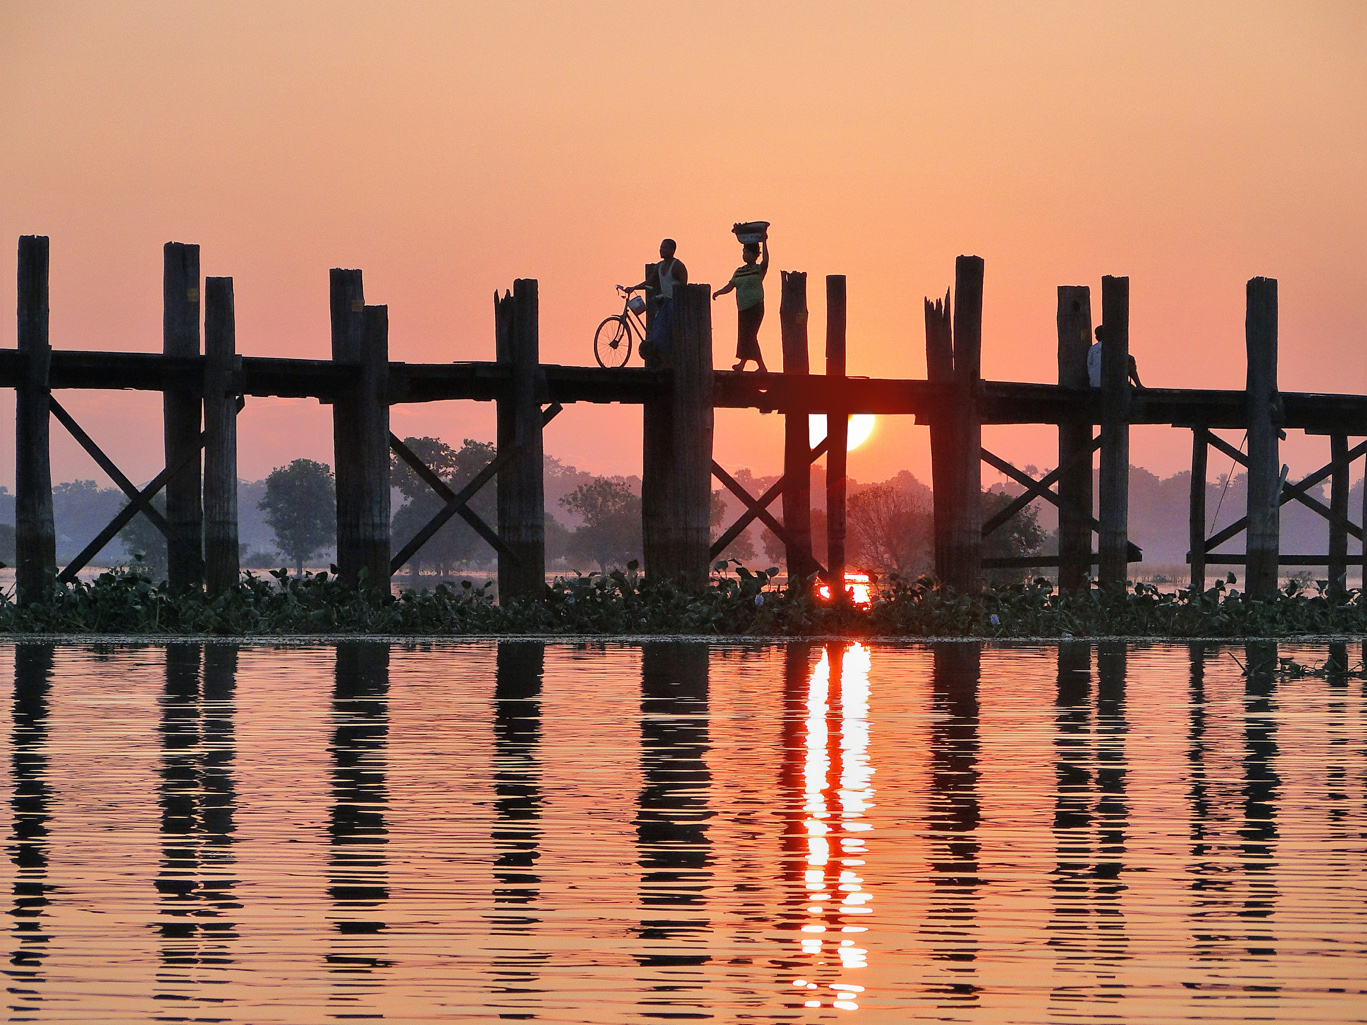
(837, 796)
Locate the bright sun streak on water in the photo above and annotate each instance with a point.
(861, 426)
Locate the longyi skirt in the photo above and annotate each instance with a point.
(747, 333)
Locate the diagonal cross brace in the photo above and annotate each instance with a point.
(1040, 489)
(457, 501)
(757, 509)
(1290, 492)
(107, 465)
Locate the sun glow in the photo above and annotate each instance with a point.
(861, 426)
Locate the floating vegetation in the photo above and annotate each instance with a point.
(735, 602)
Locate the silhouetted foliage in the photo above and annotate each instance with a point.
(301, 508)
(611, 532)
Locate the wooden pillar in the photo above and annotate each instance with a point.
(35, 537)
(372, 541)
(838, 433)
(797, 464)
(963, 528)
(1338, 513)
(1264, 457)
(676, 471)
(940, 369)
(521, 488)
(1074, 321)
(221, 389)
(1196, 529)
(347, 302)
(1113, 551)
(181, 408)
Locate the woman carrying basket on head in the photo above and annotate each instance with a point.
(748, 284)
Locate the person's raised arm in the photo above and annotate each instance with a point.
(763, 257)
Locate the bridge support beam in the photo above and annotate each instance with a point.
(346, 296)
(958, 507)
(1074, 321)
(1264, 423)
(797, 462)
(520, 481)
(181, 409)
(35, 537)
(676, 450)
(1113, 551)
(372, 470)
(221, 390)
(837, 436)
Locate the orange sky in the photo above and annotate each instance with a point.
(446, 149)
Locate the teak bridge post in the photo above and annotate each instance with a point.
(797, 468)
(1113, 550)
(1264, 473)
(837, 436)
(958, 514)
(181, 408)
(521, 489)
(1074, 322)
(347, 302)
(221, 391)
(35, 536)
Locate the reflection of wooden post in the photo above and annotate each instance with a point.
(940, 369)
(838, 431)
(521, 491)
(221, 564)
(1113, 552)
(181, 409)
(1264, 458)
(1338, 515)
(1196, 529)
(35, 538)
(797, 464)
(373, 436)
(1074, 322)
(676, 471)
(347, 302)
(963, 533)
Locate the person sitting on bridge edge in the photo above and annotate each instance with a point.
(748, 284)
(661, 278)
(1094, 361)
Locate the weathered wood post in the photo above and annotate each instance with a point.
(221, 390)
(1074, 321)
(372, 541)
(1338, 514)
(347, 303)
(181, 408)
(1264, 422)
(964, 518)
(676, 471)
(1196, 524)
(35, 537)
(940, 369)
(521, 488)
(837, 433)
(1113, 551)
(797, 464)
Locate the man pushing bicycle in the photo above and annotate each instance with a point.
(661, 278)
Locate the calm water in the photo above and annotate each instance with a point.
(560, 833)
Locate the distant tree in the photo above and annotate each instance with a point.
(301, 508)
(890, 530)
(145, 543)
(456, 543)
(611, 533)
(558, 538)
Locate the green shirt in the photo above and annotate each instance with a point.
(749, 282)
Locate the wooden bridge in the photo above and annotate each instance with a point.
(204, 391)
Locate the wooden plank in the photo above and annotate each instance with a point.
(35, 536)
(1338, 521)
(1075, 443)
(346, 305)
(797, 474)
(221, 389)
(521, 494)
(181, 415)
(1196, 525)
(837, 436)
(1263, 532)
(1113, 506)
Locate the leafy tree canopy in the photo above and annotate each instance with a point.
(301, 508)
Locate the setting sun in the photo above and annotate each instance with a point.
(861, 426)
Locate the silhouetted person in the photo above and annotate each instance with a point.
(748, 284)
(659, 284)
(1094, 361)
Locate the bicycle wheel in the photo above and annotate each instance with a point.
(612, 343)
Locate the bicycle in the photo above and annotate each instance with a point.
(612, 342)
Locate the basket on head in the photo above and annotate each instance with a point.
(636, 304)
(751, 232)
